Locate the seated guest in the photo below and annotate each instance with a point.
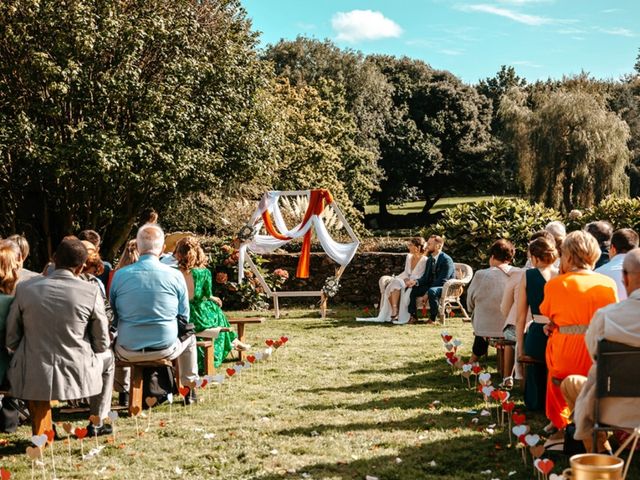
(24, 253)
(59, 333)
(205, 310)
(9, 276)
(94, 237)
(483, 299)
(622, 241)
(617, 323)
(438, 270)
(602, 231)
(394, 301)
(122, 377)
(147, 298)
(533, 345)
(570, 300)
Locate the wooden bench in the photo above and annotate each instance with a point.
(136, 382)
(209, 368)
(499, 343)
(240, 324)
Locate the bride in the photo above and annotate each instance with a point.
(394, 302)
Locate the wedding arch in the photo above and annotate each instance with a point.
(268, 218)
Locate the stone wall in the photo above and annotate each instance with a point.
(358, 285)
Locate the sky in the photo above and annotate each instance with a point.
(540, 38)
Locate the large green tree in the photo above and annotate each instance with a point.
(361, 96)
(109, 106)
(502, 153)
(572, 149)
(437, 136)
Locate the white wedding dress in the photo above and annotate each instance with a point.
(390, 283)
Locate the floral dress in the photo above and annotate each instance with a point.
(205, 313)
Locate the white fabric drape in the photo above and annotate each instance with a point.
(341, 253)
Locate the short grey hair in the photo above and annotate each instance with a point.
(556, 228)
(150, 239)
(631, 263)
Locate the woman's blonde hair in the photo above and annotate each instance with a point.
(129, 254)
(189, 254)
(93, 264)
(9, 268)
(580, 249)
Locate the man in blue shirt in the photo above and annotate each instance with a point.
(147, 297)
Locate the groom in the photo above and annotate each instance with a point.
(439, 270)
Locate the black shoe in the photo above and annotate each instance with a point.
(93, 431)
(123, 399)
(191, 397)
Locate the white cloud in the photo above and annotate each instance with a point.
(363, 25)
(619, 31)
(511, 14)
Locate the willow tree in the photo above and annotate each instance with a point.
(110, 106)
(572, 151)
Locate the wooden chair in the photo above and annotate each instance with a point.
(452, 290)
(617, 375)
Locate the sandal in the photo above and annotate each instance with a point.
(507, 383)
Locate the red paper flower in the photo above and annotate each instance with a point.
(221, 277)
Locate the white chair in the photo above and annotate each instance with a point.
(452, 290)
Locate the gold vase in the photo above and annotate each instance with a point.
(594, 466)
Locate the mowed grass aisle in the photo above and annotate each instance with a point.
(341, 401)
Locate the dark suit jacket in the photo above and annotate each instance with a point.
(444, 271)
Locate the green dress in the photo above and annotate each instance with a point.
(205, 313)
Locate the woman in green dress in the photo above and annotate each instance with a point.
(205, 310)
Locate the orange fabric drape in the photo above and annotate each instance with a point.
(316, 207)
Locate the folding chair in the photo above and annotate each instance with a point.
(617, 375)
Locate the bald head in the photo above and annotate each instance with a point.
(631, 270)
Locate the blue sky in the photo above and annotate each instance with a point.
(540, 38)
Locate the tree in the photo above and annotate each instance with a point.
(503, 156)
(319, 147)
(107, 107)
(361, 95)
(572, 150)
(437, 135)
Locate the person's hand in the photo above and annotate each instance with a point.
(217, 300)
(549, 328)
(409, 283)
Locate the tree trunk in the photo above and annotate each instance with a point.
(382, 205)
(430, 202)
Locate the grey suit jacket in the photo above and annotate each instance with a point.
(55, 325)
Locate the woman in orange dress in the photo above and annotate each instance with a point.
(570, 300)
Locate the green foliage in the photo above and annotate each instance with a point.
(470, 229)
(107, 107)
(248, 295)
(437, 135)
(572, 149)
(621, 212)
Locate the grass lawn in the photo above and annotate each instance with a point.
(415, 207)
(342, 400)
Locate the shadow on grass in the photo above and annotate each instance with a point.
(462, 457)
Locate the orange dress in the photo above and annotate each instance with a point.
(571, 299)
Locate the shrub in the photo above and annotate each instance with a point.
(223, 263)
(471, 228)
(621, 212)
